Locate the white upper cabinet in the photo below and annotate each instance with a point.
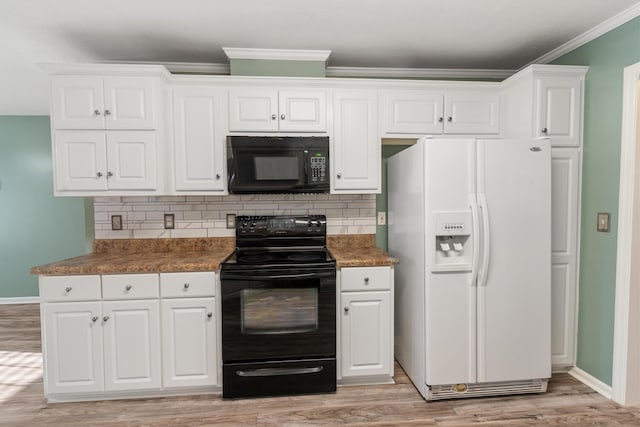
(272, 110)
(420, 112)
(199, 132)
(356, 148)
(99, 161)
(103, 103)
(558, 110)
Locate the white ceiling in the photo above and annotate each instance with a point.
(459, 34)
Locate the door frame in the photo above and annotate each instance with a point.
(626, 339)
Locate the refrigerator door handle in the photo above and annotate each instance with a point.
(486, 249)
(473, 203)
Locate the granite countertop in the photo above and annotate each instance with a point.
(119, 256)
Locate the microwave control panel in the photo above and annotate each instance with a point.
(318, 168)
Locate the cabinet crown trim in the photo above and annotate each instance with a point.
(277, 54)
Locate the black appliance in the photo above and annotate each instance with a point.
(268, 164)
(279, 308)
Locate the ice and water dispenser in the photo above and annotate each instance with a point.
(452, 237)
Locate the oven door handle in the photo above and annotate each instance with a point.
(272, 372)
(231, 276)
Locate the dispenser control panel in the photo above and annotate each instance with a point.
(453, 223)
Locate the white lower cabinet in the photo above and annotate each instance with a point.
(114, 336)
(366, 322)
(189, 342)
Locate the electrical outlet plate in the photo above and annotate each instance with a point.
(231, 220)
(169, 222)
(603, 222)
(116, 222)
(382, 218)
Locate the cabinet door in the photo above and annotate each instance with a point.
(412, 112)
(80, 161)
(366, 334)
(129, 103)
(565, 179)
(131, 344)
(131, 160)
(199, 139)
(77, 102)
(471, 113)
(356, 149)
(72, 347)
(302, 111)
(253, 110)
(558, 102)
(189, 342)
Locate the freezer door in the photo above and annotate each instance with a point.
(514, 281)
(450, 293)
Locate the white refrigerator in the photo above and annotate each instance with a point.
(470, 221)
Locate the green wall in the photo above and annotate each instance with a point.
(606, 57)
(262, 67)
(35, 227)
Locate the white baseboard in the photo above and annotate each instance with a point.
(591, 381)
(20, 300)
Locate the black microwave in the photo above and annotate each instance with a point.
(271, 164)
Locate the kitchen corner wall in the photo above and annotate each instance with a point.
(205, 216)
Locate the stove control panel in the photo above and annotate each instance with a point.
(281, 225)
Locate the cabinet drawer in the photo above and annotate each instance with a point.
(197, 284)
(130, 286)
(69, 288)
(365, 278)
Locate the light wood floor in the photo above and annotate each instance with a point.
(567, 402)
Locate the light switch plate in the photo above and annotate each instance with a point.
(603, 222)
(382, 218)
(116, 222)
(231, 220)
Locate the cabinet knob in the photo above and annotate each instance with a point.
(273, 117)
(209, 315)
(99, 174)
(186, 286)
(282, 116)
(105, 318)
(346, 310)
(366, 280)
(217, 176)
(449, 119)
(544, 130)
(440, 119)
(107, 112)
(94, 319)
(96, 112)
(68, 289)
(109, 174)
(339, 175)
(128, 287)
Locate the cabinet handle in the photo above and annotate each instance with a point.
(96, 112)
(94, 319)
(281, 116)
(109, 174)
(544, 130)
(209, 315)
(339, 175)
(107, 112)
(366, 280)
(186, 286)
(273, 117)
(217, 176)
(68, 289)
(346, 310)
(99, 174)
(449, 119)
(440, 119)
(128, 287)
(105, 318)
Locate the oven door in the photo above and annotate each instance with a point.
(272, 314)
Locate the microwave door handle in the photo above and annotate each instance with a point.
(305, 168)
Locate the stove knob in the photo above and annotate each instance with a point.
(309, 224)
(318, 224)
(253, 224)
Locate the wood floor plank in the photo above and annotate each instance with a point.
(567, 402)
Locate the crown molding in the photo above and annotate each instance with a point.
(589, 35)
(277, 54)
(422, 73)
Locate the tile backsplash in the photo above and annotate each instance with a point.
(205, 216)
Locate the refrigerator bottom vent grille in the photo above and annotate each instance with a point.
(485, 389)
